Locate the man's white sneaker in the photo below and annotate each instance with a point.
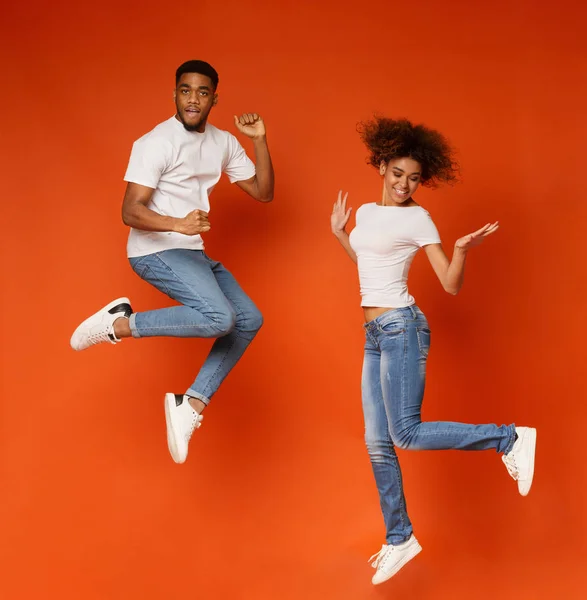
(100, 326)
(390, 559)
(181, 421)
(520, 459)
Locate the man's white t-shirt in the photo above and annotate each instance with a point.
(182, 167)
(385, 240)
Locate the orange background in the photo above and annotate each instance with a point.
(277, 499)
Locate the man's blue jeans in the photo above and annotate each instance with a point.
(213, 306)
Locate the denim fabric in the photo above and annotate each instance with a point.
(394, 374)
(213, 305)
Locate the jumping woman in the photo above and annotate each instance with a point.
(387, 236)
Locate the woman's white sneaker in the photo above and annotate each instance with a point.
(181, 421)
(390, 559)
(520, 459)
(100, 326)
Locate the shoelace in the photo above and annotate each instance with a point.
(195, 424)
(103, 336)
(380, 556)
(510, 462)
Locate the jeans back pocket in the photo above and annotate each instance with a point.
(423, 334)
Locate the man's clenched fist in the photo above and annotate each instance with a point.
(194, 223)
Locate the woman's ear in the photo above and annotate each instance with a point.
(382, 168)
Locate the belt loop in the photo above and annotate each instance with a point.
(414, 314)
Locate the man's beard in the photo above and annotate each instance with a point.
(190, 127)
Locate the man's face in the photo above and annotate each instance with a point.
(194, 98)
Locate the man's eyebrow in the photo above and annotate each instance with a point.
(189, 87)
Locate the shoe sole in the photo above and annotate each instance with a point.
(531, 434)
(414, 551)
(106, 308)
(171, 441)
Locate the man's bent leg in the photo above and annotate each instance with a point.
(227, 350)
(187, 277)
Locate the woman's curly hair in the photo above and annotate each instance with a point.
(387, 139)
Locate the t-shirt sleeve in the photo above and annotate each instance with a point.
(427, 232)
(237, 165)
(148, 160)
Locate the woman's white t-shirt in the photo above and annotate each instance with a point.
(182, 167)
(385, 240)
